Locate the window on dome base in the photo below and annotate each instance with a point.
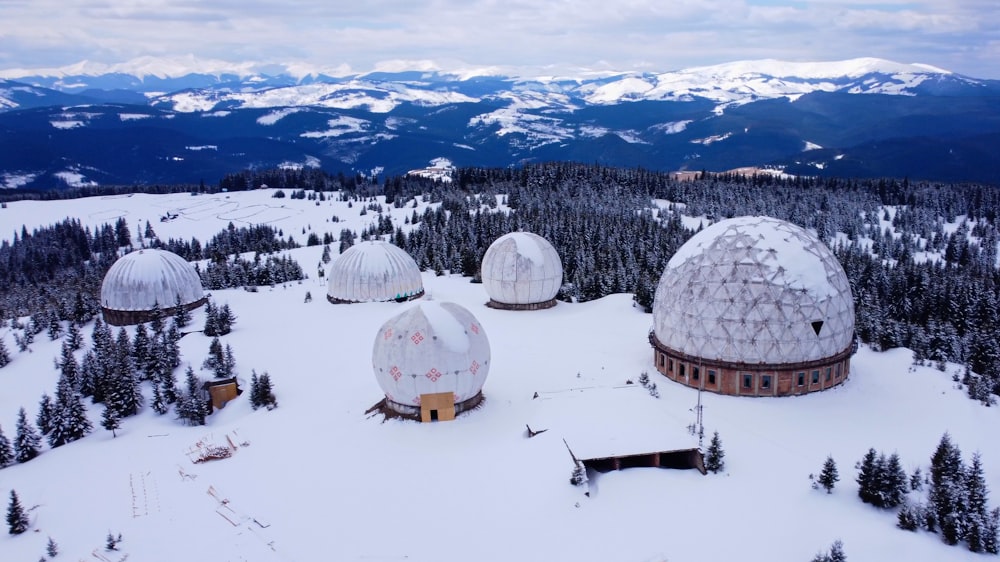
(680, 369)
(838, 370)
(801, 379)
(711, 376)
(765, 381)
(695, 373)
(815, 376)
(747, 380)
(829, 371)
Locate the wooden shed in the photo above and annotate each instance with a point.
(221, 391)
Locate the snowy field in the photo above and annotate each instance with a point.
(316, 479)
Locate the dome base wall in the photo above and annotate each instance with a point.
(743, 379)
(132, 317)
(397, 410)
(335, 300)
(525, 306)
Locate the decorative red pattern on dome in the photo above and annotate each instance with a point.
(395, 372)
(474, 328)
(434, 375)
(388, 333)
(417, 338)
(474, 367)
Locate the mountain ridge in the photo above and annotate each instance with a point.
(401, 116)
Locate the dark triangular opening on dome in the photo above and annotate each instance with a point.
(817, 326)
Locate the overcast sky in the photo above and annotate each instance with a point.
(558, 35)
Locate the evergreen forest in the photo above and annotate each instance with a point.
(921, 257)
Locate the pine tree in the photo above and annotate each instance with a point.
(55, 329)
(51, 548)
(977, 514)
(44, 418)
(182, 316)
(261, 391)
(254, 390)
(17, 519)
(907, 519)
(6, 450)
(947, 490)
(837, 552)
(69, 419)
(991, 532)
(110, 420)
(828, 477)
(228, 367)
(171, 348)
(4, 354)
(140, 350)
(89, 375)
(714, 456)
(211, 328)
(215, 358)
(68, 366)
(895, 482)
(191, 408)
(74, 337)
(27, 441)
(168, 387)
(867, 474)
(917, 480)
(159, 403)
(226, 319)
(123, 392)
(156, 320)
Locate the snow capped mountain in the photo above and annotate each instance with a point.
(376, 97)
(403, 114)
(729, 82)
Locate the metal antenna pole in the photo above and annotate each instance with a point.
(701, 427)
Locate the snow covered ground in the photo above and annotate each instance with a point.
(316, 479)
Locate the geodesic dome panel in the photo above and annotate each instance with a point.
(147, 277)
(374, 271)
(429, 348)
(521, 268)
(754, 290)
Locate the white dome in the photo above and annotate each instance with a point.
(429, 348)
(374, 271)
(521, 268)
(754, 290)
(143, 278)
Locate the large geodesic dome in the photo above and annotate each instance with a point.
(431, 360)
(521, 271)
(144, 279)
(374, 271)
(754, 306)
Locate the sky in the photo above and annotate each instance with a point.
(552, 36)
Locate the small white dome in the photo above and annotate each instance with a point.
(429, 348)
(521, 268)
(374, 271)
(144, 278)
(754, 290)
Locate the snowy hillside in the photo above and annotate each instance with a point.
(316, 479)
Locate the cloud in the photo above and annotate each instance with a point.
(960, 35)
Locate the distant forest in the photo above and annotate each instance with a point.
(612, 240)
